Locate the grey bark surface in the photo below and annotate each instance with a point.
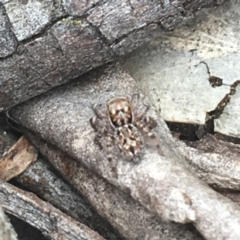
(47, 43)
(215, 161)
(127, 216)
(42, 181)
(175, 72)
(163, 184)
(52, 222)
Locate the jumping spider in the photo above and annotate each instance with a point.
(123, 126)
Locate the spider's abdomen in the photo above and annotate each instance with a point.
(129, 141)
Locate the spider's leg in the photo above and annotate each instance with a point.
(100, 122)
(135, 100)
(139, 113)
(106, 143)
(100, 111)
(146, 125)
(98, 125)
(110, 151)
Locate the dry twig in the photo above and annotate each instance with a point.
(42, 181)
(50, 221)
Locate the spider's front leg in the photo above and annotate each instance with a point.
(105, 134)
(100, 111)
(99, 126)
(109, 150)
(135, 100)
(139, 110)
(107, 146)
(100, 122)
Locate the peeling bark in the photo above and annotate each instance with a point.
(17, 159)
(72, 37)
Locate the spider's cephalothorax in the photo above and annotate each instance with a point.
(120, 111)
(122, 125)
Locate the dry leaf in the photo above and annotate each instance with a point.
(17, 159)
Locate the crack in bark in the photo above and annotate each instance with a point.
(218, 82)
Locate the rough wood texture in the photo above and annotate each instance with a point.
(215, 161)
(53, 223)
(39, 179)
(126, 215)
(72, 37)
(164, 185)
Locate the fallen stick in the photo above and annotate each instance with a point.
(50, 221)
(70, 38)
(215, 161)
(39, 179)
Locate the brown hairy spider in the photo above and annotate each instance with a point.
(122, 126)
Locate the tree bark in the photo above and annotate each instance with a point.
(52, 222)
(127, 216)
(163, 184)
(72, 37)
(39, 179)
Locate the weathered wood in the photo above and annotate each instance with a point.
(72, 37)
(214, 161)
(39, 179)
(162, 184)
(50, 221)
(174, 70)
(126, 215)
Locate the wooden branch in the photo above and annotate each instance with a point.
(162, 184)
(50, 221)
(72, 37)
(42, 181)
(215, 161)
(129, 217)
